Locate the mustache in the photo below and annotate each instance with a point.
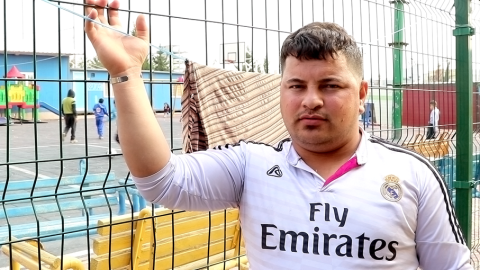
(313, 114)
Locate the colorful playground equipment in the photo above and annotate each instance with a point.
(19, 95)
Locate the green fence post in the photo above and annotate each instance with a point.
(462, 184)
(398, 45)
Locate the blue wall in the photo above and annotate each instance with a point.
(47, 68)
(87, 94)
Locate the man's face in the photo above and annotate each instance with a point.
(320, 101)
(431, 107)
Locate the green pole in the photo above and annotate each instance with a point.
(464, 136)
(398, 45)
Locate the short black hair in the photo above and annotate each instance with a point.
(100, 100)
(319, 40)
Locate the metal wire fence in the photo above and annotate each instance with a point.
(57, 192)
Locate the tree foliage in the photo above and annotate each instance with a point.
(161, 61)
(441, 75)
(94, 63)
(250, 64)
(265, 64)
(146, 64)
(75, 64)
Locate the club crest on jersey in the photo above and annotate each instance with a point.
(391, 189)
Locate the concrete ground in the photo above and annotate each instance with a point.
(36, 150)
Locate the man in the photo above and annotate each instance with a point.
(99, 110)
(433, 120)
(332, 197)
(69, 112)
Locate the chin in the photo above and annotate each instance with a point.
(311, 139)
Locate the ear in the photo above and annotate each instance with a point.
(362, 94)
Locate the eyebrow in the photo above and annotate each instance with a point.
(330, 79)
(325, 80)
(295, 80)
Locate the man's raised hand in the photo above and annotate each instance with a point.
(118, 53)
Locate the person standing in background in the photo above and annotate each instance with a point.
(69, 112)
(433, 121)
(100, 111)
(166, 110)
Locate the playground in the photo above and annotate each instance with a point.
(25, 148)
(20, 96)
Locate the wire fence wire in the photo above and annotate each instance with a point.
(67, 196)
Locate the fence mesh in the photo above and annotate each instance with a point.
(56, 191)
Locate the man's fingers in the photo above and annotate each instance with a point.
(142, 28)
(101, 4)
(88, 7)
(90, 26)
(113, 18)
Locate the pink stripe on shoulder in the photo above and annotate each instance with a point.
(349, 165)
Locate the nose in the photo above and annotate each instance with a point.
(312, 99)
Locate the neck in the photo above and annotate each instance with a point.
(326, 163)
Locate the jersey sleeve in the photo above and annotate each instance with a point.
(201, 181)
(439, 239)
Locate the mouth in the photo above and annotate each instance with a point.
(312, 119)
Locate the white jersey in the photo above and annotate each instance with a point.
(387, 208)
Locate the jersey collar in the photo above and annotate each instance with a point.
(361, 153)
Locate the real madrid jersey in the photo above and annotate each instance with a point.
(387, 208)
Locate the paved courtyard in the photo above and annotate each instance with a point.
(46, 156)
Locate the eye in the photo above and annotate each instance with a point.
(332, 86)
(296, 86)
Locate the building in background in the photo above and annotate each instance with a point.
(88, 84)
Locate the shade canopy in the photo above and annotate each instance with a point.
(14, 73)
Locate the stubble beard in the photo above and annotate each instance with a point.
(324, 140)
(312, 138)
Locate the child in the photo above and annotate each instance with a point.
(433, 121)
(69, 113)
(100, 111)
(166, 109)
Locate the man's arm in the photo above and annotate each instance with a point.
(74, 109)
(439, 238)
(206, 180)
(144, 146)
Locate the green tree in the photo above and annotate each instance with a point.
(81, 64)
(94, 63)
(446, 78)
(74, 64)
(250, 65)
(146, 64)
(160, 61)
(265, 65)
(134, 30)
